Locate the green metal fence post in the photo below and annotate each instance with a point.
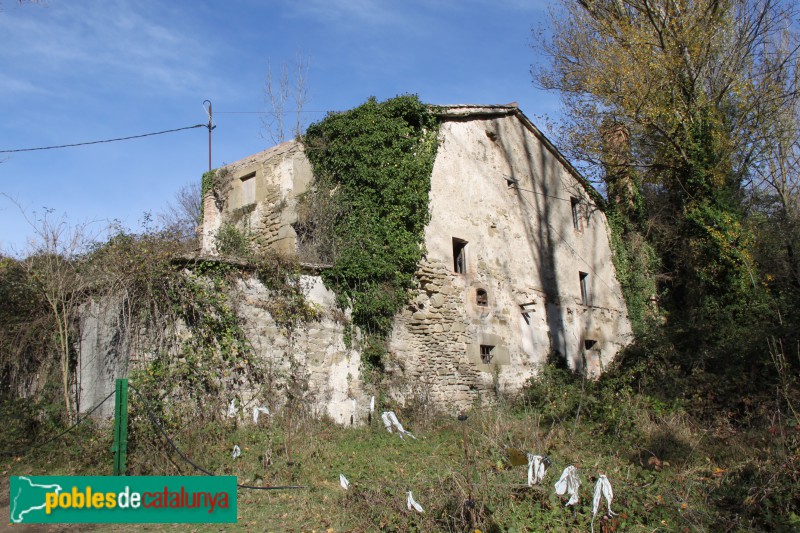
(120, 447)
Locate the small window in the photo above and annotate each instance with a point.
(249, 189)
(584, 279)
(482, 298)
(576, 213)
(512, 182)
(459, 256)
(589, 344)
(486, 354)
(527, 309)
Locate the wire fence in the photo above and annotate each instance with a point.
(154, 420)
(416, 481)
(23, 452)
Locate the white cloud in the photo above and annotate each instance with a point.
(137, 44)
(348, 12)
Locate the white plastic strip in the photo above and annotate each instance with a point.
(390, 419)
(232, 409)
(386, 422)
(411, 503)
(372, 404)
(343, 482)
(537, 468)
(602, 489)
(569, 483)
(236, 451)
(257, 411)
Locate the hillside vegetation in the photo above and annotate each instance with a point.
(685, 114)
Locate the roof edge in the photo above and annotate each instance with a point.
(465, 111)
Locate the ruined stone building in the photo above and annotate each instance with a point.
(518, 265)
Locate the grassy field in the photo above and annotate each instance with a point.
(668, 471)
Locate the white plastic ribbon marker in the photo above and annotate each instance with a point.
(536, 469)
(236, 451)
(386, 422)
(411, 503)
(343, 482)
(232, 409)
(602, 489)
(257, 411)
(569, 483)
(390, 419)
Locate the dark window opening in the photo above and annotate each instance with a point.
(482, 298)
(527, 309)
(459, 256)
(576, 213)
(584, 278)
(249, 189)
(486, 353)
(512, 182)
(589, 344)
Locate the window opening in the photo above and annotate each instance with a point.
(459, 256)
(486, 353)
(576, 213)
(482, 298)
(249, 189)
(584, 279)
(589, 344)
(527, 309)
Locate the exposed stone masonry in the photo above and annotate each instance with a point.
(432, 330)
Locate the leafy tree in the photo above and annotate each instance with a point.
(674, 106)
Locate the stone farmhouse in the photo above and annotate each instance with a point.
(518, 265)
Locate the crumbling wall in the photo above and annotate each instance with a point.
(103, 353)
(280, 175)
(111, 345)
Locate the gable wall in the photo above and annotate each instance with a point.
(522, 249)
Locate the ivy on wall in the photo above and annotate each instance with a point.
(374, 164)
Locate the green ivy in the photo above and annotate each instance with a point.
(207, 182)
(375, 162)
(636, 263)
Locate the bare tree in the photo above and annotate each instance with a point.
(184, 213)
(54, 269)
(280, 94)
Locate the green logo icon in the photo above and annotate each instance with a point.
(121, 499)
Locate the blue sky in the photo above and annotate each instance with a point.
(84, 70)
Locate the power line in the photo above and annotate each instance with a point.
(104, 141)
(270, 112)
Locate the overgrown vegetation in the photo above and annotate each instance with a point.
(669, 471)
(369, 207)
(688, 115)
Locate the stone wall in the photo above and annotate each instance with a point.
(536, 276)
(502, 198)
(280, 175)
(111, 346)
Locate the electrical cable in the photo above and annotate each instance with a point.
(197, 467)
(73, 426)
(103, 141)
(564, 240)
(273, 112)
